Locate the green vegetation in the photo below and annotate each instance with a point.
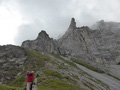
(103, 84)
(5, 87)
(55, 85)
(87, 66)
(53, 73)
(48, 83)
(70, 80)
(36, 60)
(100, 83)
(76, 77)
(68, 62)
(42, 79)
(57, 56)
(18, 82)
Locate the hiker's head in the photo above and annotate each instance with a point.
(32, 71)
(30, 74)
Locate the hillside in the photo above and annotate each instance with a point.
(55, 69)
(82, 59)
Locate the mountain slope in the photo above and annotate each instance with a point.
(52, 67)
(96, 46)
(82, 59)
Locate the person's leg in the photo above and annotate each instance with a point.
(28, 86)
(31, 85)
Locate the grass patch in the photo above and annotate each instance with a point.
(70, 80)
(5, 87)
(76, 77)
(36, 60)
(87, 66)
(68, 62)
(103, 84)
(41, 79)
(18, 82)
(61, 66)
(55, 85)
(100, 83)
(53, 73)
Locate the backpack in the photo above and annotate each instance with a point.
(30, 74)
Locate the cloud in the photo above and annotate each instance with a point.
(1, 1)
(54, 15)
(27, 32)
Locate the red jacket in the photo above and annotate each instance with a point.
(30, 78)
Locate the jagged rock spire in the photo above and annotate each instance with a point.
(42, 34)
(73, 23)
(71, 28)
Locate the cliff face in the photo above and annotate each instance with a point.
(99, 45)
(42, 43)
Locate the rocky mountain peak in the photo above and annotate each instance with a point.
(42, 34)
(42, 43)
(73, 23)
(98, 45)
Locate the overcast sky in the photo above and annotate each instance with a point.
(23, 19)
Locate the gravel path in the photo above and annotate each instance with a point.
(110, 81)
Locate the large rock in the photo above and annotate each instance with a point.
(42, 43)
(101, 46)
(11, 58)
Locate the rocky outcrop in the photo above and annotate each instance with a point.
(42, 43)
(99, 46)
(11, 58)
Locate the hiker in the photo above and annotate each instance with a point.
(32, 74)
(30, 79)
(36, 83)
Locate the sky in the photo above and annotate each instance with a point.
(22, 20)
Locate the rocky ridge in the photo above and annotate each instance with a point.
(42, 43)
(11, 59)
(99, 48)
(96, 46)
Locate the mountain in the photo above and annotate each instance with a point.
(99, 45)
(82, 59)
(42, 43)
(96, 46)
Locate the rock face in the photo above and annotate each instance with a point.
(42, 43)
(11, 58)
(101, 45)
(79, 42)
